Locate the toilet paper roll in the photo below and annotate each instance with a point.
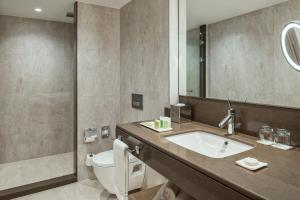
(90, 139)
(89, 160)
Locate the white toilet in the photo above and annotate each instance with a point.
(103, 165)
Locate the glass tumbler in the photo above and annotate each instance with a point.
(266, 133)
(282, 136)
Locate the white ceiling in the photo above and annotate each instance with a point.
(201, 12)
(107, 3)
(53, 10)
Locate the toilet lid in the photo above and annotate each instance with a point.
(106, 159)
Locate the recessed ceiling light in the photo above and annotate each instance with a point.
(38, 10)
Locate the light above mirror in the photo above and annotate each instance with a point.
(290, 43)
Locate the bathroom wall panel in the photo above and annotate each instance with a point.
(98, 57)
(145, 63)
(104, 90)
(144, 57)
(36, 88)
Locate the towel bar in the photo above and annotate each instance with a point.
(136, 148)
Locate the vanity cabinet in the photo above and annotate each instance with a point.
(196, 183)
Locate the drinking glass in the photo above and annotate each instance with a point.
(266, 133)
(282, 136)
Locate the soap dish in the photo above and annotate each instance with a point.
(245, 163)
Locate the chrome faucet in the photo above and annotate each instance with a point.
(229, 120)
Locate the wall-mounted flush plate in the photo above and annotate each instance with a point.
(105, 131)
(137, 101)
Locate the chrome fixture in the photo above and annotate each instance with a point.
(229, 120)
(105, 132)
(136, 150)
(90, 135)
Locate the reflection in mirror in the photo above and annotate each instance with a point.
(290, 41)
(239, 56)
(195, 62)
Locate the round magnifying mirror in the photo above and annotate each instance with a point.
(290, 43)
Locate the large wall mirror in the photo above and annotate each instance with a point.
(241, 50)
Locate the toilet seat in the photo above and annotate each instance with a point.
(106, 159)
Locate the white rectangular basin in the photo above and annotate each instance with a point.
(209, 144)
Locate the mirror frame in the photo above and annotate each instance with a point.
(292, 24)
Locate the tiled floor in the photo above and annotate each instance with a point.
(85, 190)
(29, 171)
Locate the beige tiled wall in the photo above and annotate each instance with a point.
(120, 53)
(98, 77)
(144, 58)
(246, 60)
(36, 88)
(144, 63)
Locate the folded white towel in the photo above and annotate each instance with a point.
(158, 195)
(171, 191)
(168, 191)
(121, 169)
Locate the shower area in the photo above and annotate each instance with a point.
(37, 103)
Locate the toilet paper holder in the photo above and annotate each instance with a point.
(136, 150)
(90, 135)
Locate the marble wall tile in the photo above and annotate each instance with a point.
(144, 55)
(106, 80)
(245, 60)
(34, 126)
(97, 28)
(98, 77)
(36, 88)
(144, 63)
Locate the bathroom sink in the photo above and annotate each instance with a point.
(209, 144)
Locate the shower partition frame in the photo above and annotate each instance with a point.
(59, 181)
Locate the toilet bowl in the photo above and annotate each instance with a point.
(103, 166)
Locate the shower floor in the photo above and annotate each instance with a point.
(34, 170)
